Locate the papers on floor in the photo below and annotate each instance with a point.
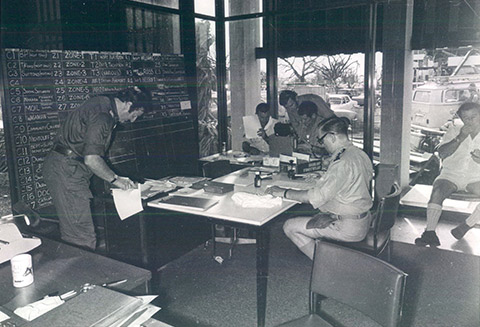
(127, 202)
(251, 124)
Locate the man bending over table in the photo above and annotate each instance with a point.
(460, 154)
(342, 194)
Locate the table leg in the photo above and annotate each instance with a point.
(263, 244)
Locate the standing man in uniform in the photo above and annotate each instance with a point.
(80, 145)
(342, 194)
(291, 101)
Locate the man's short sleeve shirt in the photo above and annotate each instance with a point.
(88, 129)
(344, 188)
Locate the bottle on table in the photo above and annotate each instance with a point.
(257, 182)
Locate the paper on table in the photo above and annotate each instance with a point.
(127, 202)
(251, 124)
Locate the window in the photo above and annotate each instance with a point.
(206, 87)
(150, 31)
(421, 96)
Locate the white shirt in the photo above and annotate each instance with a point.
(258, 142)
(461, 161)
(344, 188)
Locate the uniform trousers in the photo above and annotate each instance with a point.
(68, 181)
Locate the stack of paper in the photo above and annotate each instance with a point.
(99, 307)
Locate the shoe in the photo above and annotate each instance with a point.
(428, 238)
(460, 231)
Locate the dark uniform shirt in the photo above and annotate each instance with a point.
(88, 129)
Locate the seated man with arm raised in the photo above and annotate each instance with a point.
(460, 154)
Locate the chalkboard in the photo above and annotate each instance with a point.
(41, 87)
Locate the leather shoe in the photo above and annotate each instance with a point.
(428, 238)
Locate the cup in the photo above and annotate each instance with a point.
(22, 270)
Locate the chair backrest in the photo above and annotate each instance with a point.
(361, 281)
(387, 197)
(214, 169)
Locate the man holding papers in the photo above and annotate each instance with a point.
(77, 154)
(342, 194)
(258, 129)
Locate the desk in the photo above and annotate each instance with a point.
(256, 219)
(61, 267)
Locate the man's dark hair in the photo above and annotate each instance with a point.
(307, 108)
(468, 106)
(285, 95)
(335, 124)
(262, 107)
(139, 96)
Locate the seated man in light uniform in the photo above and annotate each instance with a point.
(342, 194)
(460, 154)
(259, 144)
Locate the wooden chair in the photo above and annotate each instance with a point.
(386, 202)
(215, 169)
(361, 281)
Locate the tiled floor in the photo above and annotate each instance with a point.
(408, 228)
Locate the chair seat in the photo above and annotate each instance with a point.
(367, 245)
(312, 320)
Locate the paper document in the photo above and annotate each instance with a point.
(251, 124)
(127, 202)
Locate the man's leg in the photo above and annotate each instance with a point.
(70, 195)
(296, 231)
(460, 231)
(347, 230)
(442, 189)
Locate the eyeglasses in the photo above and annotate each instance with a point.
(320, 139)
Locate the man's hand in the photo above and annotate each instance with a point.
(476, 155)
(124, 183)
(261, 133)
(321, 221)
(275, 191)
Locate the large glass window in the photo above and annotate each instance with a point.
(205, 7)
(206, 87)
(152, 31)
(164, 3)
(235, 7)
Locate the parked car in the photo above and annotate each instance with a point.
(343, 105)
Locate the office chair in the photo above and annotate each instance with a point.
(386, 202)
(361, 281)
(215, 169)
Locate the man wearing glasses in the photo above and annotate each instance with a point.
(342, 195)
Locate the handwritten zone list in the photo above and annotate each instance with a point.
(41, 87)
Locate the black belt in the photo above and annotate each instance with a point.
(66, 152)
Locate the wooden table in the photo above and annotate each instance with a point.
(58, 267)
(257, 219)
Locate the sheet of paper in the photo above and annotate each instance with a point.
(251, 124)
(128, 202)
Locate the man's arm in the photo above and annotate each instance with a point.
(99, 167)
(296, 195)
(447, 149)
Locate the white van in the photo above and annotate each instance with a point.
(435, 103)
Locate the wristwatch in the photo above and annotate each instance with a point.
(115, 177)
